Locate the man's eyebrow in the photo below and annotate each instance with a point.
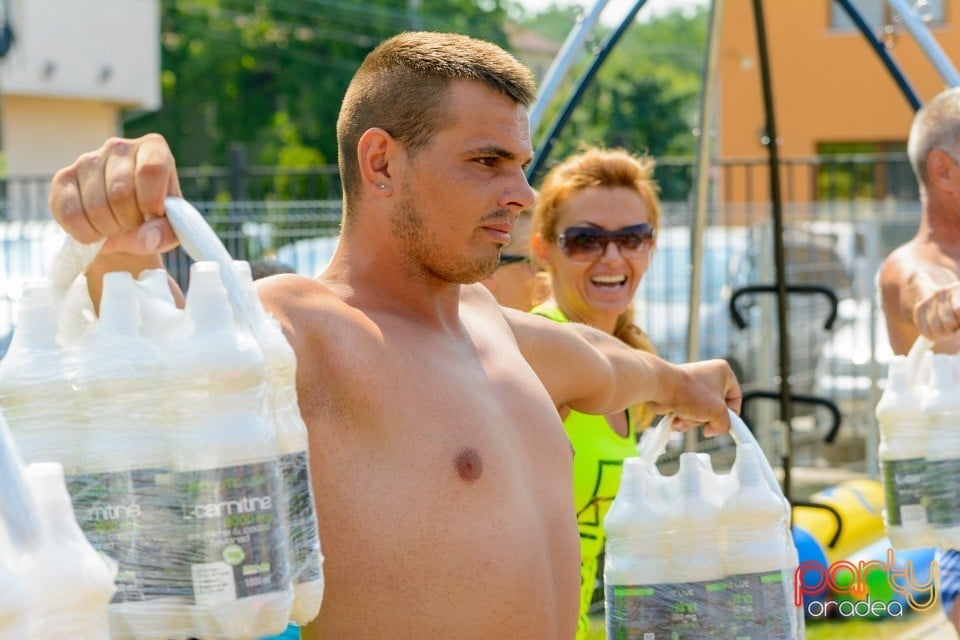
(500, 152)
(493, 150)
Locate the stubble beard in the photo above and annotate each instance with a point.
(425, 252)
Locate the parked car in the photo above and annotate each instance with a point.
(663, 297)
(853, 362)
(733, 257)
(309, 256)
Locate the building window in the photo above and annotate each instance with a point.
(878, 13)
(871, 170)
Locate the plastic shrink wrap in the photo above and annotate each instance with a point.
(181, 439)
(53, 584)
(700, 555)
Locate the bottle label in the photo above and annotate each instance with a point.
(943, 480)
(301, 519)
(674, 611)
(112, 510)
(234, 539)
(904, 488)
(759, 606)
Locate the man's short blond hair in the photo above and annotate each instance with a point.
(402, 87)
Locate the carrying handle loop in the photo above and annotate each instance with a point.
(915, 358)
(196, 237)
(17, 514)
(655, 446)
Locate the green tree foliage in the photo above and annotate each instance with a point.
(270, 74)
(645, 96)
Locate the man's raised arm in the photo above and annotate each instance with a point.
(919, 297)
(593, 372)
(117, 193)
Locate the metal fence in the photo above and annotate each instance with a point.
(842, 215)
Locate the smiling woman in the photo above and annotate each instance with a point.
(594, 231)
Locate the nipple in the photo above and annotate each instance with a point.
(468, 463)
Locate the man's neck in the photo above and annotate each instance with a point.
(940, 225)
(375, 279)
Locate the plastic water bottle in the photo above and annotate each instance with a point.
(759, 559)
(68, 582)
(226, 482)
(903, 435)
(635, 565)
(292, 449)
(696, 571)
(113, 475)
(681, 594)
(36, 381)
(13, 602)
(158, 309)
(942, 407)
(13, 596)
(76, 313)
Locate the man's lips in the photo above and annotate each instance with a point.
(499, 231)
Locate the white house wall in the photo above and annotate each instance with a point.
(44, 134)
(75, 67)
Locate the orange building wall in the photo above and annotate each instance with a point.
(828, 86)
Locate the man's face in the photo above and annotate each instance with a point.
(462, 193)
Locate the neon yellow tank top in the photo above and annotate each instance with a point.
(599, 452)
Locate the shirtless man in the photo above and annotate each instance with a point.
(440, 467)
(920, 281)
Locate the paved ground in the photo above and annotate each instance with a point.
(936, 627)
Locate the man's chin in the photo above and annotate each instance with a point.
(464, 273)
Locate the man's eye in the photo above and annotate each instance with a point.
(487, 162)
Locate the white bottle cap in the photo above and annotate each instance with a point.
(119, 306)
(207, 301)
(898, 373)
(37, 320)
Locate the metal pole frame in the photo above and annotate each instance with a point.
(881, 50)
(550, 139)
(571, 48)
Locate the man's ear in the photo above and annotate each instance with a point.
(376, 149)
(942, 170)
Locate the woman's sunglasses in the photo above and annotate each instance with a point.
(589, 243)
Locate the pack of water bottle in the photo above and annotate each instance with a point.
(700, 555)
(180, 436)
(53, 584)
(918, 415)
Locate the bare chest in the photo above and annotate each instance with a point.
(442, 460)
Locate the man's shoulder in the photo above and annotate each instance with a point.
(284, 286)
(292, 297)
(903, 261)
(919, 259)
